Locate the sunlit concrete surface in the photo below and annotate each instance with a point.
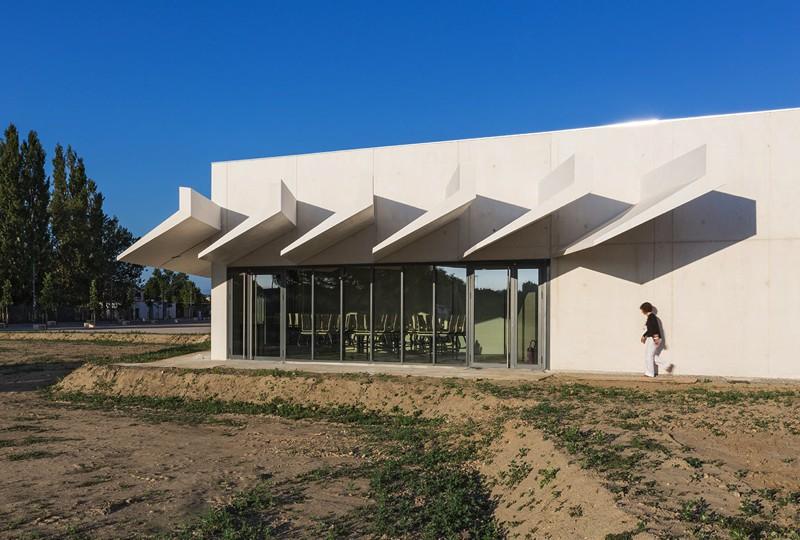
(202, 360)
(696, 215)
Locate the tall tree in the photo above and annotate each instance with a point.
(94, 300)
(11, 211)
(35, 188)
(59, 224)
(117, 277)
(6, 300)
(48, 297)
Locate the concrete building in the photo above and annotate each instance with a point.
(525, 251)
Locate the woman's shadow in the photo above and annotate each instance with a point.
(663, 345)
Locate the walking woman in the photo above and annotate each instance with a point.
(653, 344)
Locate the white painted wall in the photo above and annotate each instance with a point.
(722, 269)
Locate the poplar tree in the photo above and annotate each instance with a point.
(59, 224)
(6, 300)
(11, 216)
(35, 188)
(48, 297)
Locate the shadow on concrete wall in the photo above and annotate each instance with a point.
(310, 215)
(699, 229)
(487, 215)
(391, 216)
(583, 216)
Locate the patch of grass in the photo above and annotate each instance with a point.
(433, 494)
(30, 440)
(694, 462)
(33, 454)
(152, 356)
(424, 486)
(697, 511)
(33, 428)
(627, 535)
(518, 470)
(251, 515)
(547, 475)
(751, 507)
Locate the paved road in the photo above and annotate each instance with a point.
(161, 328)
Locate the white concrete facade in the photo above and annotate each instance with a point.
(698, 216)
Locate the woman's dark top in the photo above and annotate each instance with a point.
(652, 326)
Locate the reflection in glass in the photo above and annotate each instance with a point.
(327, 318)
(386, 314)
(266, 316)
(491, 324)
(299, 327)
(356, 283)
(527, 315)
(417, 304)
(237, 314)
(451, 315)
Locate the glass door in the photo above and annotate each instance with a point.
(237, 307)
(266, 316)
(490, 320)
(529, 346)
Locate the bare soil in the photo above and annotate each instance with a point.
(105, 474)
(642, 451)
(565, 457)
(30, 364)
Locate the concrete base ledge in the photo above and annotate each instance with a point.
(202, 360)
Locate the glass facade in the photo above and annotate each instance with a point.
(327, 319)
(417, 310)
(491, 325)
(237, 313)
(387, 297)
(299, 317)
(266, 316)
(451, 314)
(456, 314)
(357, 293)
(528, 317)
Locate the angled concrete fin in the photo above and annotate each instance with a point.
(556, 190)
(461, 194)
(337, 227)
(174, 243)
(277, 218)
(661, 190)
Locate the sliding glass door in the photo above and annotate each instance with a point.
(266, 316)
(237, 308)
(529, 346)
(451, 314)
(488, 315)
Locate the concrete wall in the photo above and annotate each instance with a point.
(722, 269)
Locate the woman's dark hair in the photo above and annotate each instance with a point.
(647, 307)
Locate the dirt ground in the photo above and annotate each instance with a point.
(109, 475)
(30, 364)
(564, 457)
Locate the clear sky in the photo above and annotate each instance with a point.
(151, 92)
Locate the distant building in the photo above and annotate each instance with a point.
(526, 251)
(152, 311)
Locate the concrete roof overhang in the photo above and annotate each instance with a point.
(444, 213)
(556, 190)
(176, 241)
(662, 190)
(279, 217)
(335, 228)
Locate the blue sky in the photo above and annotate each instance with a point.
(151, 92)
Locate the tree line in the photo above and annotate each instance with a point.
(58, 247)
